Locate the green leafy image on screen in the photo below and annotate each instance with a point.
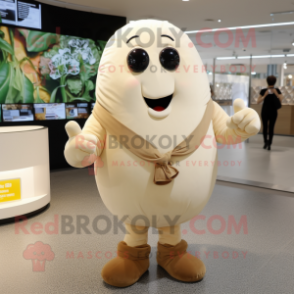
(40, 67)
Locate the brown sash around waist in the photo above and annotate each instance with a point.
(164, 171)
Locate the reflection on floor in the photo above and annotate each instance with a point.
(259, 258)
(251, 164)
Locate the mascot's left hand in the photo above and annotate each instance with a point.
(245, 119)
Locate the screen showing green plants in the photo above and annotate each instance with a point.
(41, 67)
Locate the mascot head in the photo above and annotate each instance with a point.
(151, 74)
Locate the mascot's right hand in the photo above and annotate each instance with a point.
(80, 149)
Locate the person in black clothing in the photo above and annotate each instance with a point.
(211, 92)
(269, 110)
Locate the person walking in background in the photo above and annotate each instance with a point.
(272, 99)
(212, 92)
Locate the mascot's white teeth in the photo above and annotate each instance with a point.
(159, 108)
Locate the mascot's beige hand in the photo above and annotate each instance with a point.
(245, 119)
(80, 149)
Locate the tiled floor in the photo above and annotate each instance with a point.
(257, 260)
(251, 164)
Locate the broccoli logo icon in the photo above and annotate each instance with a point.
(39, 253)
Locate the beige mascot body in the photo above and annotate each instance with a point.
(126, 181)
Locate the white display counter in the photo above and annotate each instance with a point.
(24, 170)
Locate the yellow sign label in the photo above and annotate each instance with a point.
(10, 190)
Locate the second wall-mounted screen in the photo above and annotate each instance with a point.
(50, 111)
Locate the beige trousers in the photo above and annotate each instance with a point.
(138, 235)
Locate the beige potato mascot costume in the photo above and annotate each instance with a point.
(151, 135)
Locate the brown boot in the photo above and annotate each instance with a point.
(129, 265)
(180, 264)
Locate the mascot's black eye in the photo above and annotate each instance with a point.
(138, 60)
(169, 58)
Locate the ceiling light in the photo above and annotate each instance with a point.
(253, 73)
(185, 0)
(290, 76)
(283, 12)
(261, 56)
(290, 55)
(277, 24)
(223, 58)
(267, 56)
(254, 56)
(293, 44)
(279, 55)
(219, 20)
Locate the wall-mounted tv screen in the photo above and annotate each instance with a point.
(77, 110)
(49, 111)
(21, 13)
(17, 112)
(41, 67)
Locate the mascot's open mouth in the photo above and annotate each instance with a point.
(159, 104)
